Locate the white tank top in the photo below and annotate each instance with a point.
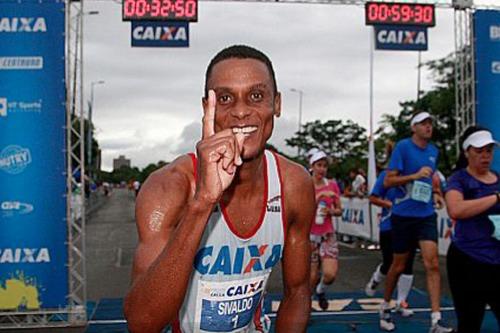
(230, 271)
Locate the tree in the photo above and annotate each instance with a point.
(344, 141)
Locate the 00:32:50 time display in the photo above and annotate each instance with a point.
(178, 9)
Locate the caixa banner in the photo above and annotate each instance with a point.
(33, 232)
(400, 38)
(160, 34)
(487, 54)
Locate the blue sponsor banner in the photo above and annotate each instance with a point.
(487, 35)
(160, 34)
(400, 38)
(33, 231)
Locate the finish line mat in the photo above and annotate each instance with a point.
(347, 312)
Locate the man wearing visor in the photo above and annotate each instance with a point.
(414, 220)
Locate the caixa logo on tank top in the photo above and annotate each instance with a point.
(241, 260)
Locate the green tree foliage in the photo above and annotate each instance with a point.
(440, 102)
(344, 141)
(129, 174)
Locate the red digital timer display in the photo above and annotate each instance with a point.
(167, 10)
(400, 13)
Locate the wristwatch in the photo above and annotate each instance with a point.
(498, 197)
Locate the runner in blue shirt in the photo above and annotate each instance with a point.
(383, 198)
(473, 259)
(414, 223)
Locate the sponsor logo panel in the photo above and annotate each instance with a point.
(22, 24)
(14, 159)
(29, 63)
(15, 208)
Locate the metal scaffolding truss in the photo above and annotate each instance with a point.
(74, 314)
(437, 3)
(465, 99)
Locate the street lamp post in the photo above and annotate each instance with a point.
(301, 93)
(89, 128)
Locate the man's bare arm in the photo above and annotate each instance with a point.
(157, 294)
(392, 177)
(294, 310)
(170, 222)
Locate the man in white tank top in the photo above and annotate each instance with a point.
(213, 225)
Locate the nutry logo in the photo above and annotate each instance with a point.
(23, 24)
(159, 33)
(402, 37)
(14, 159)
(11, 208)
(24, 255)
(495, 32)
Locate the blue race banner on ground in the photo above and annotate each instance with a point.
(487, 35)
(33, 232)
(400, 38)
(160, 34)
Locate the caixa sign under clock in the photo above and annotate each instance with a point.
(160, 34)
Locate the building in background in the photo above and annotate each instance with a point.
(121, 161)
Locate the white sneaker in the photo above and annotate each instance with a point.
(440, 327)
(403, 312)
(386, 323)
(371, 287)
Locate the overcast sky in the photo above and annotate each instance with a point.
(149, 108)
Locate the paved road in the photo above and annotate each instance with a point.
(111, 238)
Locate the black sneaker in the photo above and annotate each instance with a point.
(322, 301)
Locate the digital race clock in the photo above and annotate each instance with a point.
(173, 10)
(400, 13)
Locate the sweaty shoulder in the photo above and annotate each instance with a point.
(165, 191)
(296, 181)
(178, 172)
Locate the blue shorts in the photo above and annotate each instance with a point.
(408, 231)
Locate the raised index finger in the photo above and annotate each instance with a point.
(209, 116)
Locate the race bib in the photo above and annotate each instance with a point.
(421, 191)
(496, 224)
(228, 306)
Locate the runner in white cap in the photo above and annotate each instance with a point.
(324, 247)
(414, 220)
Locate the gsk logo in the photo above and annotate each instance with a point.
(230, 261)
(23, 24)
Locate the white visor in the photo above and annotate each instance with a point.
(311, 152)
(419, 117)
(319, 155)
(478, 139)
